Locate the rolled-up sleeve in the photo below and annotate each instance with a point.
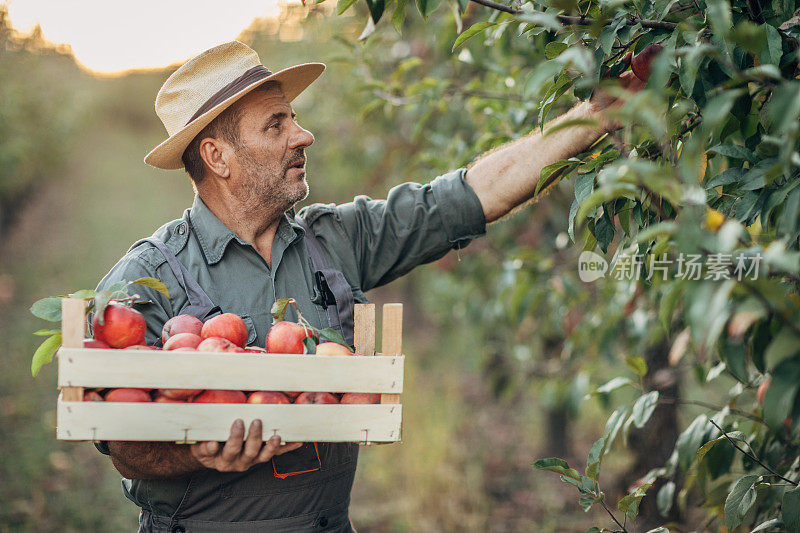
(415, 224)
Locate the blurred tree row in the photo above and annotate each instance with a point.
(39, 111)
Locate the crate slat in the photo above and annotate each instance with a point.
(364, 332)
(206, 370)
(73, 328)
(195, 422)
(392, 340)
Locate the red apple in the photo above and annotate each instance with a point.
(92, 396)
(166, 399)
(287, 337)
(217, 344)
(316, 397)
(332, 348)
(179, 394)
(142, 347)
(122, 326)
(641, 62)
(221, 396)
(94, 343)
(360, 397)
(183, 340)
(228, 326)
(181, 324)
(263, 396)
(127, 395)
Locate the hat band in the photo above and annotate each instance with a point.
(250, 76)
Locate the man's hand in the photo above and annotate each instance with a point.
(238, 453)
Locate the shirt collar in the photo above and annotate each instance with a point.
(214, 236)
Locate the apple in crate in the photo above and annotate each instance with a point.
(181, 324)
(94, 343)
(92, 396)
(221, 396)
(287, 337)
(128, 395)
(333, 348)
(218, 344)
(263, 396)
(316, 397)
(183, 340)
(179, 394)
(360, 397)
(166, 399)
(122, 326)
(228, 326)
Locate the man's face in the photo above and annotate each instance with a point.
(268, 167)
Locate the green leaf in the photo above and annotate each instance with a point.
(734, 151)
(636, 364)
(83, 294)
(376, 8)
(790, 506)
(471, 32)
(776, 524)
(559, 466)
(734, 435)
(669, 302)
(547, 172)
(554, 48)
(331, 335)
(44, 353)
(659, 530)
(630, 503)
(773, 52)
(47, 309)
(101, 300)
(613, 385)
(309, 345)
(278, 310)
(595, 458)
(343, 5)
(614, 424)
(664, 498)
(46, 332)
(726, 177)
(783, 346)
(779, 398)
(399, 15)
(154, 284)
(740, 493)
(643, 408)
(690, 440)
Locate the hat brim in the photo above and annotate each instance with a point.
(293, 80)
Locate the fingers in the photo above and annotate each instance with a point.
(288, 447)
(252, 446)
(233, 446)
(269, 449)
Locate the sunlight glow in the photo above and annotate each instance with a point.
(112, 36)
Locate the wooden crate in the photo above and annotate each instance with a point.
(371, 372)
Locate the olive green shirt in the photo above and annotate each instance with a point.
(371, 241)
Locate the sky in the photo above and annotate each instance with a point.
(113, 35)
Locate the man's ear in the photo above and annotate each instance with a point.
(216, 154)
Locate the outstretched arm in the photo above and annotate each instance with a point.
(506, 177)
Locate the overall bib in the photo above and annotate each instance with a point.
(304, 490)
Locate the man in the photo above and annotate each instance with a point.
(231, 126)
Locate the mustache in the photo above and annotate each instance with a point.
(298, 158)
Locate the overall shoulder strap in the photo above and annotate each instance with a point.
(200, 305)
(331, 283)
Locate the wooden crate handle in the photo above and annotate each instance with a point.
(73, 328)
(392, 339)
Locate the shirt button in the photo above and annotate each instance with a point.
(323, 521)
(178, 529)
(181, 229)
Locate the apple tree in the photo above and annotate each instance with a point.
(693, 206)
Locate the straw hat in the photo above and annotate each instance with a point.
(206, 85)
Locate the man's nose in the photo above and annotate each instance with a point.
(302, 138)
